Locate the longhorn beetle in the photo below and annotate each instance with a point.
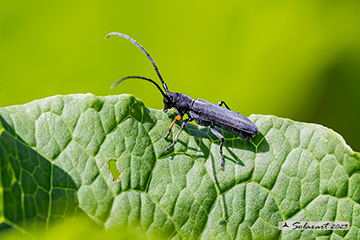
(202, 112)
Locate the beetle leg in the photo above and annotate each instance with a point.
(216, 133)
(221, 103)
(177, 135)
(179, 117)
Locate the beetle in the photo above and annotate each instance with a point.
(202, 112)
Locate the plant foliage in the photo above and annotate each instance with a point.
(55, 155)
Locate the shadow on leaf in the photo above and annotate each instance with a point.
(35, 191)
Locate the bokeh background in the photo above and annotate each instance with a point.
(298, 59)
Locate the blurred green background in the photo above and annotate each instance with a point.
(295, 59)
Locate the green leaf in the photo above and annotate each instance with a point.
(55, 155)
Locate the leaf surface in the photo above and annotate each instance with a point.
(55, 156)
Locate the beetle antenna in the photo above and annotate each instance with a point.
(143, 78)
(147, 54)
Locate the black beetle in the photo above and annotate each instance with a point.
(202, 112)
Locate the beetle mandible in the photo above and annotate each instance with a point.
(198, 110)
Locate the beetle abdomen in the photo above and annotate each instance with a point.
(244, 135)
(223, 118)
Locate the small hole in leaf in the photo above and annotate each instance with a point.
(114, 170)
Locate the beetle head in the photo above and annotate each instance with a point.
(170, 100)
(181, 102)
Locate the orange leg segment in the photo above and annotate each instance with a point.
(178, 117)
